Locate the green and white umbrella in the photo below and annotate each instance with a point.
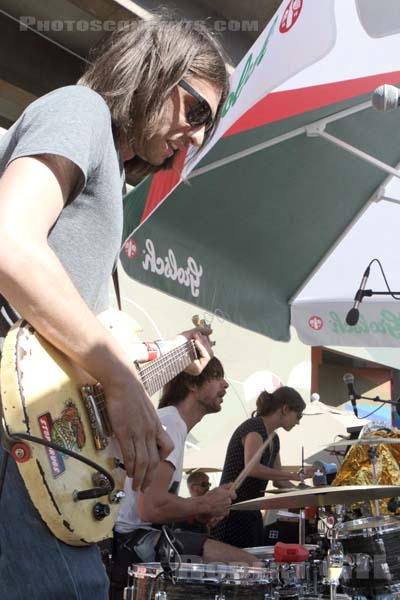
(297, 157)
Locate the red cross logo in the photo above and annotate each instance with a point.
(315, 323)
(130, 248)
(290, 16)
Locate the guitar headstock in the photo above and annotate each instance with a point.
(197, 322)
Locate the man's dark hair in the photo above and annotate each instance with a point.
(137, 66)
(179, 387)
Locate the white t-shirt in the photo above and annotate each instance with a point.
(128, 516)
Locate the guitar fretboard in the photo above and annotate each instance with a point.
(154, 375)
(158, 372)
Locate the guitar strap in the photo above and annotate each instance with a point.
(116, 286)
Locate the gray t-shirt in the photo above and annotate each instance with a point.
(75, 122)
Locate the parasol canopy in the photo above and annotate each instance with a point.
(299, 155)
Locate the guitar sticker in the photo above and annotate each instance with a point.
(66, 431)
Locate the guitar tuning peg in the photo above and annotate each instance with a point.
(197, 322)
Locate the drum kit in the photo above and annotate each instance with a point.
(351, 558)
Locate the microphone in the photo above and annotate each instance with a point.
(348, 379)
(385, 98)
(354, 314)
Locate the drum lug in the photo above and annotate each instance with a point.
(161, 596)
(128, 592)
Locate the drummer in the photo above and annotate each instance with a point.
(282, 408)
(184, 402)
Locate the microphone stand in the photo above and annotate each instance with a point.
(395, 403)
(363, 293)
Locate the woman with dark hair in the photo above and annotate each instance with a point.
(282, 408)
(153, 89)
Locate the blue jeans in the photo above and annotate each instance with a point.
(36, 565)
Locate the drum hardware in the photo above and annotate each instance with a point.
(373, 457)
(167, 552)
(371, 547)
(327, 521)
(302, 518)
(170, 562)
(335, 561)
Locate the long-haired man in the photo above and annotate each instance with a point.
(154, 88)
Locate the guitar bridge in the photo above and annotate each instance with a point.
(94, 400)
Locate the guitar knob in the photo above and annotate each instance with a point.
(100, 511)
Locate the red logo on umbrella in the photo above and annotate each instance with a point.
(315, 322)
(130, 248)
(290, 16)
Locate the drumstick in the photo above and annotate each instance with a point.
(252, 462)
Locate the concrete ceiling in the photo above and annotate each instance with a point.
(45, 44)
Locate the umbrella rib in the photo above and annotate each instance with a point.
(317, 125)
(356, 151)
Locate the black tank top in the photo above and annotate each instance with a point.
(234, 460)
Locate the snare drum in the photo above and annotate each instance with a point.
(294, 580)
(208, 581)
(372, 555)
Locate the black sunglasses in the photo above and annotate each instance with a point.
(200, 113)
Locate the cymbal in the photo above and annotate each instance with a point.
(320, 496)
(202, 469)
(367, 441)
(278, 491)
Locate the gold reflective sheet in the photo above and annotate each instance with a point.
(356, 468)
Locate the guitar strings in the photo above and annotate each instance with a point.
(159, 370)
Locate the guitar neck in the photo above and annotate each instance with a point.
(158, 372)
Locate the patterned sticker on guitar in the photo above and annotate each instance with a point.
(66, 431)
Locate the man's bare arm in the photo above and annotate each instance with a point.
(34, 281)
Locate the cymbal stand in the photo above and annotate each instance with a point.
(302, 518)
(373, 456)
